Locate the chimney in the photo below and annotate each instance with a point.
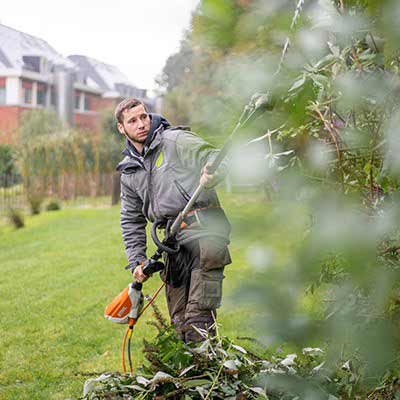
(64, 85)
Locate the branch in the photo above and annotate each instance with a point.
(392, 249)
(333, 134)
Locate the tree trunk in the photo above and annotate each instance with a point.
(116, 188)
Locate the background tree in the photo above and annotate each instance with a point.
(111, 146)
(332, 145)
(39, 122)
(8, 171)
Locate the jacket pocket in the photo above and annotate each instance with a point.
(214, 253)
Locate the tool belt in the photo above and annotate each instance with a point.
(212, 220)
(203, 216)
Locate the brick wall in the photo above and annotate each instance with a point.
(91, 121)
(10, 118)
(99, 103)
(9, 123)
(87, 121)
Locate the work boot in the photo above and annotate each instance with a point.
(191, 335)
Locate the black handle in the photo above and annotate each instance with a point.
(165, 245)
(137, 285)
(151, 266)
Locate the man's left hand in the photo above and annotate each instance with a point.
(206, 179)
(138, 274)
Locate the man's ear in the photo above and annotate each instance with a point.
(121, 129)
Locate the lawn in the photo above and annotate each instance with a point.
(59, 272)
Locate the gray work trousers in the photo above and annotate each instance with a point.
(194, 297)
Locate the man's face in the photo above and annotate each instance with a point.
(135, 124)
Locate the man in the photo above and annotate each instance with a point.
(162, 167)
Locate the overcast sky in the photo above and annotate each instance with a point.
(135, 35)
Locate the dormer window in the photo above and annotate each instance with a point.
(81, 78)
(37, 64)
(32, 63)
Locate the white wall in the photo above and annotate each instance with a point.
(13, 91)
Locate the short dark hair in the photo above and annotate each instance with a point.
(126, 104)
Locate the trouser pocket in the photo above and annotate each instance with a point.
(214, 253)
(208, 288)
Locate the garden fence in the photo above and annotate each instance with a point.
(14, 191)
(11, 193)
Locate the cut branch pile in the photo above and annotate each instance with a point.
(218, 368)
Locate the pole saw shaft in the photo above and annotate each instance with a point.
(250, 112)
(175, 227)
(212, 168)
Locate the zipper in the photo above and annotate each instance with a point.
(150, 188)
(182, 191)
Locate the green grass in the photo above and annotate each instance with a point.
(57, 275)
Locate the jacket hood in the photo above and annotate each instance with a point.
(133, 159)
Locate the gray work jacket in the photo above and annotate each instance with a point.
(159, 184)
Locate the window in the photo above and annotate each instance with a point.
(2, 91)
(2, 95)
(27, 91)
(53, 98)
(41, 94)
(32, 63)
(87, 102)
(27, 96)
(77, 101)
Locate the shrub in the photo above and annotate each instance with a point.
(16, 217)
(39, 122)
(35, 201)
(8, 171)
(53, 205)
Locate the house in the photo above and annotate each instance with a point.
(34, 75)
(108, 79)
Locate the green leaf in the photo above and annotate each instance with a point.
(297, 84)
(186, 370)
(230, 364)
(258, 390)
(135, 387)
(325, 61)
(319, 80)
(195, 382)
(239, 348)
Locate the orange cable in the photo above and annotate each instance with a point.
(128, 333)
(129, 347)
(156, 293)
(123, 350)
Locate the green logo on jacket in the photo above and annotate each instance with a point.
(159, 160)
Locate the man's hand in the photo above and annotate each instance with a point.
(206, 179)
(138, 274)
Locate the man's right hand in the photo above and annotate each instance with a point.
(138, 274)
